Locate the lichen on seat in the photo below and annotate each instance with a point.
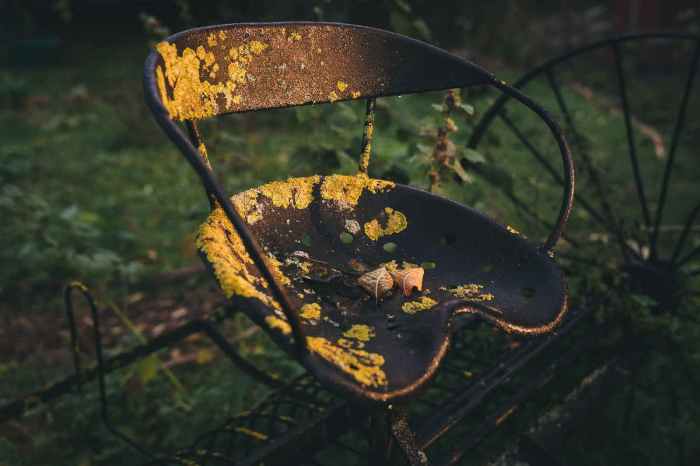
(321, 233)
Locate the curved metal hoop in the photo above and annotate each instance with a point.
(457, 73)
(607, 216)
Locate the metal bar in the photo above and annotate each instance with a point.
(588, 163)
(569, 179)
(622, 87)
(233, 355)
(684, 234)
(460, 406)
(553, 173)
(494, 419)
(367, 134)
(104, 412)
(678, 127)
(19, 407)
(688, 257)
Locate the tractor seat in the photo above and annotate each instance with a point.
(325, 237)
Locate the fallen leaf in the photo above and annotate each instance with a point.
(377, 282)
(408, 279)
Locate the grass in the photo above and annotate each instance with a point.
(94, 191)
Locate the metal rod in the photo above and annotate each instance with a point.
(367, 134)
(585, 157)
(622, 87)
(68, 299)
(684, 234)
(678, 127)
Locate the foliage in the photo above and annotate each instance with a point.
(92, 190)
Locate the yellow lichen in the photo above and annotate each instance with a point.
(275, 265)
(257, 47)
(366, 143)
(311, 311)
(391, 266)
(421, 304)
(247, 205)
(345, 343)
(296, 192)
(361, 332)
(229, 259)
(236, 73)
(355, 94)
(346, 190)
(203, 152)
(275, 322)
(192, 97)
(294, 36)
(396, 222)
(471, 291)
(363, 366)
(342, 86)
(332, 96)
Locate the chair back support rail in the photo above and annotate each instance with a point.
(206, 72)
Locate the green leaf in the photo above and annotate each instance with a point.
(466, 108)
(148, 368)
(472, 155)
(458, 170)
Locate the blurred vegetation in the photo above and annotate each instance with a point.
(92, 190)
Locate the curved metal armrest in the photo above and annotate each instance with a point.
(176, 134)
(567, 160)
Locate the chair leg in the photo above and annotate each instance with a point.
(389, 427)
(406, 438)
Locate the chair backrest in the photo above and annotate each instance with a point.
(209, 71)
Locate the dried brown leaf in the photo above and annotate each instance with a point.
(376, 282)
(408, 279)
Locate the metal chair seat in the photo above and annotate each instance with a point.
(319, 233)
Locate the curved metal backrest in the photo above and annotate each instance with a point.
(216, 70)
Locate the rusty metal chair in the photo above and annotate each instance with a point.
(289, 253)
